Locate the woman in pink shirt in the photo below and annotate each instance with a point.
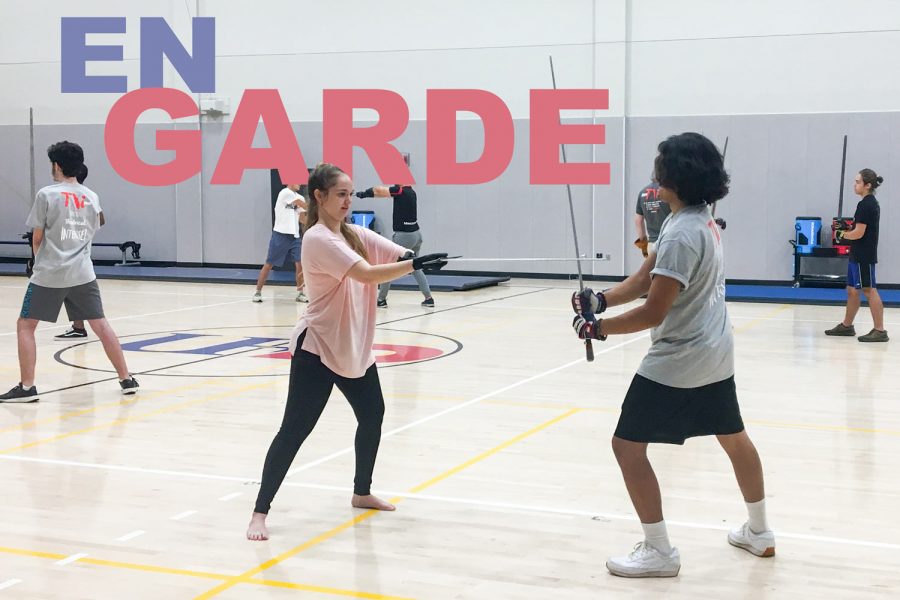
(332, 342)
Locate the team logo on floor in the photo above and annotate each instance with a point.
(238, 351)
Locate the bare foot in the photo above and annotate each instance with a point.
(257, 531)
(371, 501)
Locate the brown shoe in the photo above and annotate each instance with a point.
(842, 330)
(876, 335)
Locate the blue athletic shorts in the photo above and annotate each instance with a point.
(283, 247)
(860, 275)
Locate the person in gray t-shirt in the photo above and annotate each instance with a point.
(64, 218)
(649, 215)
(685, 385)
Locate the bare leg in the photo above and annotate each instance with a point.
(371, 501)
(876, 306)
(640, 480)
(852, 306)
(78, 324)
(111, 346)
(746, 464)
(263, 275)
(27, 350)
(257, 530)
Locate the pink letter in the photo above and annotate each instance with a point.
(547, 133)
(238, 152)
(119, 138)
(499, 136)
(339, 135)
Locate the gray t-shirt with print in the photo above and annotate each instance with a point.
(652, 209)
(694, 345)
(69, 214)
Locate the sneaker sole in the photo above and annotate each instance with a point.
(767, 553)
(28, 400)
(848, 334)
(872, 341)
(638, 575)
(129, 392)
(68, 339)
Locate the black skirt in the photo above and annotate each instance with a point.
(656, 413)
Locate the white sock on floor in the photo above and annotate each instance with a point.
(656, 535)
(757, 512)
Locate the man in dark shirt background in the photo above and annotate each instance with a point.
(406, 233)
(863, 256)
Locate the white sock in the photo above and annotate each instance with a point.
(656, 535)
(757, 512)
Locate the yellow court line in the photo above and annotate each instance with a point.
(831, 428)
(118, 403)
(325, 590)
(371, 513)
(200, 574)
(493, 451)
(764, 317)
(139, 398)
(170, 408)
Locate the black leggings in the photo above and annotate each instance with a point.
(308, 391)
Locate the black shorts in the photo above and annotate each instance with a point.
(43, 303)
(656, 413)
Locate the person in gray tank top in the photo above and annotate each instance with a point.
(685, 385)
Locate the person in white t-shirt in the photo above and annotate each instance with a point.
(286, 239)
(332, 342)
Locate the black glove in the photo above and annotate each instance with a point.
(430, 262)
(588, 302)
(841, 225)
(369, 193)
(587, 329)
(29, 267)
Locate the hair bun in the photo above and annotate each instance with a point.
(879, 179)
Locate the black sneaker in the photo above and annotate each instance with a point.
(72, 334)
(428, 303)
(382, 304)
(129, 386)
(20, 394)
(876, 335)
(841, 330)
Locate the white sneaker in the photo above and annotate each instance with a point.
(301, 297)
(645, 561)
(257, 297)
(760, 544)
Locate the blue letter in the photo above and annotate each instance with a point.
(198, 69)
(75, 53)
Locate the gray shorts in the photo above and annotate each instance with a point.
(409, 239)
(82, 302)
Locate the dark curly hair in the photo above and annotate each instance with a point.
(691, 166)
(68, 155)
